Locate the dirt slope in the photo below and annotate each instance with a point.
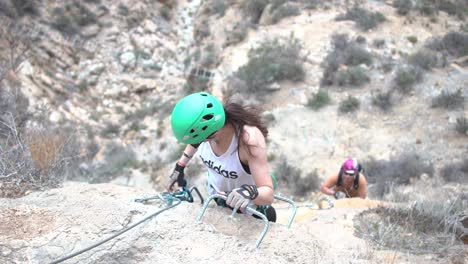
(46, 226)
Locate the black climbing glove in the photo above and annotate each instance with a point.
(176, 176)
(239, 198)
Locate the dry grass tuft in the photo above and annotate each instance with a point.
(46, 148)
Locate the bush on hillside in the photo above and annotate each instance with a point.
(237, 34)
(348, 105)
(291, 178)
(398, 170)
(406, 77)
(449, 100)
(453, 43)
(458, 8)
(345, 52)
(424, 226)
(412, 39)
(364, 19)
(352, 76)
(166, 12)
(201, 29)
(284, 10)
(253, 9)
(26, 7)
(319, 100)
(424, 59)
(219, 7)
(383, 100)
(456, 172)
(271, 61)
(403, 6)
(462, 126)
(31, 158)
(69, 19)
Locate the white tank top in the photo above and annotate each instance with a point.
(225, 172)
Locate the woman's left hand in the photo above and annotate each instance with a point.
(239, 198)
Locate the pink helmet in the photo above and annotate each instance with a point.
(350, 166)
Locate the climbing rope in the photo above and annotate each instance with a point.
(171, 199)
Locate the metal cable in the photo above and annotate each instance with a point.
(178, 201)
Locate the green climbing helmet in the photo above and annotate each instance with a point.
(197, 116)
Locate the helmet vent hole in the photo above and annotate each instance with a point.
(207, 117)
(204, 128)
(193, 130)
(210, 105)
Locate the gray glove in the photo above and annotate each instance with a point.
(340, 195)
(239, 198)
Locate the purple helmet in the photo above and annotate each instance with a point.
(350, 166)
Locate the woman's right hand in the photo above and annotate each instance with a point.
(177, 176)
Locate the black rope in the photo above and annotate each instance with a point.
(178, 201)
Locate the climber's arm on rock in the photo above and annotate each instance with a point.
(329, 184)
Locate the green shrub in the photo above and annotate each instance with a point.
(431, 8)
(344, 52)
(398, 170)
(424, 59)
(237, 34)
(253, 9)
(412, 39)
(352, 76)
(383, 100)
(454, 43)
(406, 78)
(165, 12)
(285, 10)
(355, 55)
(378, 43)
(201, 30)
(348, 105)
(462, 126)
(449, 100)
(272, 61)
(455, 172)
(364, 19)
(110, 130)
(427, 7)
(274, 4)
(70, 19)
(403, 6)
(219, 7)
(25, 7)
(135, 18)
(123, 10)
(83, 16)
(65, 25)
(319, 100)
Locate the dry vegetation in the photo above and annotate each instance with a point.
(424, 226)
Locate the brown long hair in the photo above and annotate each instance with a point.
(241, 115)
